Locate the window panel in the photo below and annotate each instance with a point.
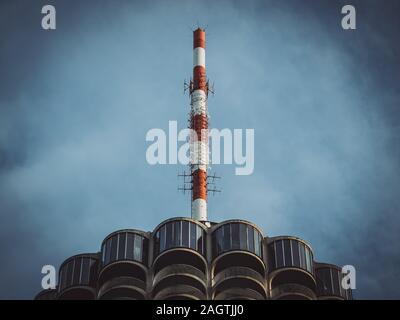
(137, 253)
(85, 271)
(169, 236)
(145, 250)
(162, 239)
(302, 256)
(295, 253)
(227, 237)
(335, 280)
(271, 256)
(279, 253)
(103, 251)
(200, 239)
(64, 277)
(121, 246)
(324, 281)
(92, 271)
(157, 242)
(235, 236)
(185, 234)
(243, 237)
(288, 253)
(250, 233)
(77, 270)
(114, 244)
(129, 246)
(308, 260)
(257, 248)
(108, 251)
(70, 267)
(177, 234)
(193, 236)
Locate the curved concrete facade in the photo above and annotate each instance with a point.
(187, 259)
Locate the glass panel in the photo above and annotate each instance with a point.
(108, 251)
(295, 253)
(324, 281)
(169, 236)
(103, 251)
(243, 237)
(288, 253)
(193, 236)
(250, 233)
(157, 242)
(114, 244)
(235, 236)
(129, 246)
(137, 253)
(121, 246)
(162, 239)
(177, 233)
(185, 234)
(279, 253)
(92, 271)
(145, 250)
(227, 237)
(199, 239)
(308, 260)
(85, 271)
(271, 256)
(302, 256)
(257, 249)
(335, 279)
(64, 277)
(70, 267)
(77, 270)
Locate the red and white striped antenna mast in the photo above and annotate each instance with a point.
(199, 151)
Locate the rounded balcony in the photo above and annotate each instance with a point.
(329, 283)
(179, 265)
(124, 262)
(78, 276)
(237, 261)
(291, 270)
(49, 294)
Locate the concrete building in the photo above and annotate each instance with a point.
(194, 258)
(186, 259)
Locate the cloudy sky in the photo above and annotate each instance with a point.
(76, 104)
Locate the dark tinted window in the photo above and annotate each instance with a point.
(302, 256)
(271, 256)
(137, 251)
(288, 253)
(200, 238)
(162, 238)
(335, 279)
(193, 236)
(129, 246)
(279, 253)
(243, 237)
(227, 237)
(177, 233)
(185, 233)
(235, 236)
(250, 233)
(85, 271)
(77, 270)
(169, 236)
(114, 245)
(295, 252)
(121, 246)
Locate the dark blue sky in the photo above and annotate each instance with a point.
(76, 103)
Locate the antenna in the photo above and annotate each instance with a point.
(197, 181)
